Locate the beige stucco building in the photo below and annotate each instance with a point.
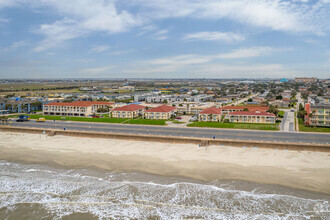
(163, 112)
(210, 114)
(77, 108)
(251, 117)
(128, 111)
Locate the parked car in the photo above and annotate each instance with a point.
(95, 116)
(178, 118)
(193, 119)
(41, 120)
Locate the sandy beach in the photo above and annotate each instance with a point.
(302, 170)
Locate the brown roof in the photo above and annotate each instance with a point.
(129, 108)
(211, 110)
(261, 113)
(78, 103)
(162, 108)
(251, 108)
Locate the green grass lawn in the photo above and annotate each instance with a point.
(235, 125)
(304, 128)
(281, 114)
(66, 118)
(145, 122)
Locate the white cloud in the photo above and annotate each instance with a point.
(57, 33)
(81, 17)
(160, 35)
(274, 14)
(97, 70)
(214, 36)
(99, 49)
(247, 52)
(21, 43)
(211, 65)
(7, 3)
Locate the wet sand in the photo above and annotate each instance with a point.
(301, 170)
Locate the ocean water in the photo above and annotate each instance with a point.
(45, 192)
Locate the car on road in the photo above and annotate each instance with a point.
(23, 118)
(95, 116)
(292, 110)
(41, 120)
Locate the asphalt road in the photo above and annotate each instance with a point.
(187, 132)
(287, 124)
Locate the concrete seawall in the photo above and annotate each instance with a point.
(181, 140)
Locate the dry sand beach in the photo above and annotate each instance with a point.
(302, 170)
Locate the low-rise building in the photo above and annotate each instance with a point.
(128, 111)
(317, 115)
(164, 112)
(251, 117)
(229, 109)
(76, 108)
(210, 114)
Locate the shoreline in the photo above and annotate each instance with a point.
(301, 170)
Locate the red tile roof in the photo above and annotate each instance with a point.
(162, 108)
(78, 103)
(129, 108)
(211, 110)
(260, 113)
(251, 108)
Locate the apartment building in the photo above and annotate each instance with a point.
(210, 114)
(229, 109)
(128, 111)
(317, 115)
(163, 112)
(251, 117)
(77, 108)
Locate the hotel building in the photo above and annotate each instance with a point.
(320, 115)
(128, 111)
(210, 114)
(229, 109)
(251, 117)
(164, 112)
(77, 108)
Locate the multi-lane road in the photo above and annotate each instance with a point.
(187, 132)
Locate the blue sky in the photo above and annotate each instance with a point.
(164, 38)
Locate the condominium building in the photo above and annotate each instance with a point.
(128, 111)
(210, 114)
(164, 112)
(229, 109)
(317, 115)
(77, 108)
(251, 117)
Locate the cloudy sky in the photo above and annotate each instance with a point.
(164, 38)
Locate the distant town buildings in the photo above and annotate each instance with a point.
(306, 79)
